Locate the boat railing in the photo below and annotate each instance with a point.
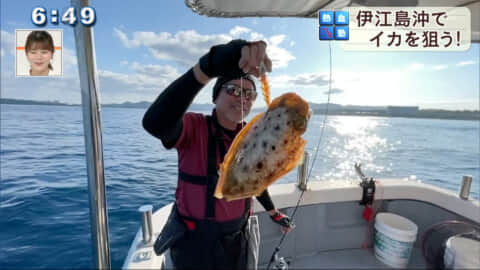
(302, 172)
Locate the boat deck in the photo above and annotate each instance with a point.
(343, 259)
(330, 227)
(350, 259)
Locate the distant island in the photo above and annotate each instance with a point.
(140, 105)
(31, 102)
(333, 109)
(395, 111)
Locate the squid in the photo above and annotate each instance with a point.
(267, 148)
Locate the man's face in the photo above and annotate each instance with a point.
(229, 106)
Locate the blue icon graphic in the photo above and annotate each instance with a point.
(341, 17)
(341, 33)
(326, 32)
(326, 17)
(333, 25)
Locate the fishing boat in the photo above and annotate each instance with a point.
(330, 231)
(417, 225)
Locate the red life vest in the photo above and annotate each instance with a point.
(201, 148)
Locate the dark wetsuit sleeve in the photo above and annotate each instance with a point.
(164, 117)
(266, 201)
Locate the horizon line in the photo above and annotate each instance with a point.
(212, 104)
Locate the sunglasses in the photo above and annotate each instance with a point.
(236, 91)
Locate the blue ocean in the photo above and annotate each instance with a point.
(44, 204)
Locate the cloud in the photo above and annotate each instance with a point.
(280, 56)
(276, 40)
(341, 80)
(69, 59)
(257, 36)
(239, 30)
(309, 79)
(65, 89)
(123, 38)
(334, 91)
(425, 67)
(292, 43)
(465, 63)
(144, 84)
(123, 63)
(428, 68)
(314, 86)
(440, 67)
(186, 47)
(417, 66)
(7, 43)
(147, 78)
(158, 71)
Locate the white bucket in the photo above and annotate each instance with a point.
(394, 238)
(462, 253)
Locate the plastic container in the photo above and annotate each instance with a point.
(462, 253)
(448, 258)
(394, 239)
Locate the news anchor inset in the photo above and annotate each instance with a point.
(39, 53)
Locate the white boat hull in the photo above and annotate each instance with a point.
(330, 229)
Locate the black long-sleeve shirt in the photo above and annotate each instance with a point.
(164, 117)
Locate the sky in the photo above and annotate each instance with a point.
(143, 46)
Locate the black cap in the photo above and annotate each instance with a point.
(222, 80)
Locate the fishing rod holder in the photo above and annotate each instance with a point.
(302, 172)
(464, 192)
(367, 184)
(147, 226)
(280, 263)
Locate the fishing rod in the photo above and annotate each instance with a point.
(281, 264)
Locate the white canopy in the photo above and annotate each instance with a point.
(309, 8)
